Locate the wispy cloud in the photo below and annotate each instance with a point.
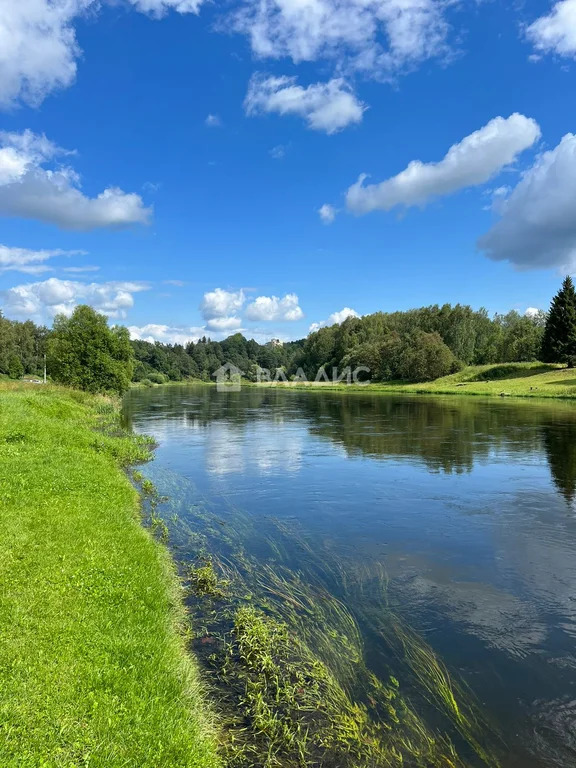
(29, 261)
(213, 121)
(377, 37)
(278, 152)
(80, 270)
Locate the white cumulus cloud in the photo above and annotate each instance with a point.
(159, 8)
(379, 37)
(335, 318)
(537, 224)
(166, 334)
(220, 303)
(473, 161)
(41, 301)
(31, 190)
(229, 323)
(339, 317)
(38, 46)
(327, 213)
(28, 261)
(556, 32)
(219, 309)
(169, 334)
(39, 50)
(272, 308)
(327, 107)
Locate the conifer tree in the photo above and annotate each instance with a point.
(559, 341)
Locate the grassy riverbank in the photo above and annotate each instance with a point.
(502, 380)
(93, 667)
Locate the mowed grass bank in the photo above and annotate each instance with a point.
(93, 667)
(505, 379)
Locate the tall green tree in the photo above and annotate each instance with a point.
(426, 357)
(559, 341)
(85, 353)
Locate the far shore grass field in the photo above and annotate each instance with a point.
(93, 666)
(502, 380)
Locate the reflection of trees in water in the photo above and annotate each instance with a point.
(446, 434)
(560, 444)
(199, 404)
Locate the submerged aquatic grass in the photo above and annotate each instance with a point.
(284, 706)
(296, 711)
(287, 657)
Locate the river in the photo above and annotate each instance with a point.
(467, 505)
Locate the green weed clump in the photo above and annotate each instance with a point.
(287, 666)
(291, 710)
(205, 582)
(150, 501)
(93, 666)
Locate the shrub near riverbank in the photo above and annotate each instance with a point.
(93, 670)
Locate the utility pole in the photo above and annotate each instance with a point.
(44, 367)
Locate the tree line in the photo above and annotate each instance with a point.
(414, 345)
(22, 348)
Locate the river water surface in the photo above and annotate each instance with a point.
(467, 504)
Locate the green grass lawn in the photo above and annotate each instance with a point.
(93, 667)
(507, 379)
(515, 379)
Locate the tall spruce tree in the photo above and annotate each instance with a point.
(559, 341)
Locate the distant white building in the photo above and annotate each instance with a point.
(275, 343)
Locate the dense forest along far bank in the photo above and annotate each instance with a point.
(432, 541)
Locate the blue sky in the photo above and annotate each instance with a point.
(212, 224)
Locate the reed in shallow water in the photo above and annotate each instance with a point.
(287, 657)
